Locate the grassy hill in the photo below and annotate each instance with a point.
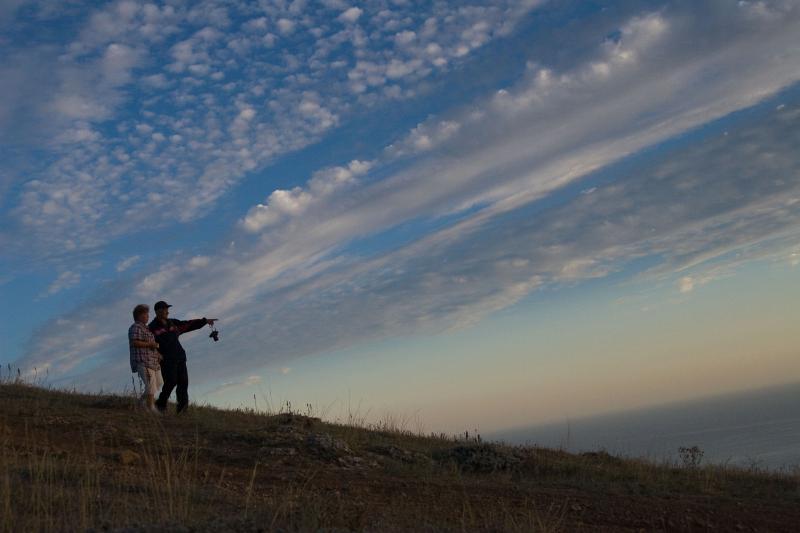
(96, 462)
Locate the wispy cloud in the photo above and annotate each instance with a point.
(128, 262)
(492, 188)
(249, 381)
(65, 280)
(457, 275)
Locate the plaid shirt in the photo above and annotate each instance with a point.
(142, 356)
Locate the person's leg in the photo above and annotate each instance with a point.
(169, 372)
(159, 381)
(183, 386)
(141, 370)
(154, 382)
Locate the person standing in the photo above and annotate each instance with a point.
(173, 368)
(145, 359)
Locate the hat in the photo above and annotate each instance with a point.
(161, 304)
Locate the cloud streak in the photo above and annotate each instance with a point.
(505, 196)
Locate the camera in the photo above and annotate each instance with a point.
(214, 335)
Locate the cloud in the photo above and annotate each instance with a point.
(199, 261)
(283, 204)
(194, 77)
(256, 25)
(128, 262)
(709, 271)
(280, 204)
(496, 205)
(456, 275)
(351, 15)
(686, 284)
(425, 137)
(405, 37)
(582, 269)
(64, 281)
(249, 381)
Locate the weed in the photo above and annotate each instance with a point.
(691, 457)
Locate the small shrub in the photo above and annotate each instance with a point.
(691, 457)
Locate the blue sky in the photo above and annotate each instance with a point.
(342, 182)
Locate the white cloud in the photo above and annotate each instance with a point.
(281, 203)
(291, 202)
(74, 106)
(286, 26)
(582, 269)
(199, 261)
(156, 282)
(456, 275)
(223, 120)
(64, 281)
(249, 381)
(507, 153)
(117, 63)
(156, 81)
(127, 263)
(81, 133)
(326, 181)
(351, 15)
(686, 284)
(425, 137)
(288, 203)
(259, 24)
(406, 37)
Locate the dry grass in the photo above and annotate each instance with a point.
(77, 462)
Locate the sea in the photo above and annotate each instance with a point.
(757, 429)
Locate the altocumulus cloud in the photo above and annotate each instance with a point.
(200, 95)
(489, 184)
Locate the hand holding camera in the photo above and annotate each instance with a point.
(214, 332)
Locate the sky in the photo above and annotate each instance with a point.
(456, 215)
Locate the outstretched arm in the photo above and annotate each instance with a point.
(185, 326)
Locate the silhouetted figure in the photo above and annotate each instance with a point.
(173, 368)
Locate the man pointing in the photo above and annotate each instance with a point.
(173, 368)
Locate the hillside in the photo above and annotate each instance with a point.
(74, 462)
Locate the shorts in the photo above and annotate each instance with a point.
(151, 379)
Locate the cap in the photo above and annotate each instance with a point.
(161, 304)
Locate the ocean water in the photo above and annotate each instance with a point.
(751, 429)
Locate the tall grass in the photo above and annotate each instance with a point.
(45, 489)
(169, 471)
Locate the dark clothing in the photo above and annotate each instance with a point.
(174, 374)
(173, 367)
(167, 336)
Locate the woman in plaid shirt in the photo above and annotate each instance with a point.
(145, 359)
